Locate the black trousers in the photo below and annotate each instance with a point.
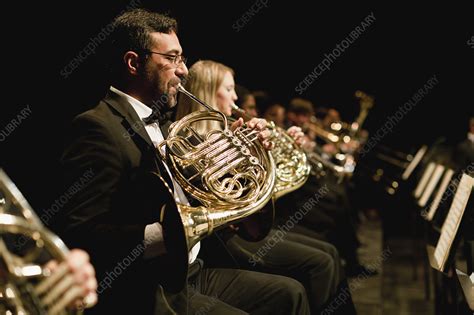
(233, 291)
(343, 235)
(329, 217)
(314, 263)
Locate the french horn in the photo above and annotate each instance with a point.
(292, 165)
(229, 172)
(26, 286)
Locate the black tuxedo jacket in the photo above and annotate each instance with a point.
(107, 212)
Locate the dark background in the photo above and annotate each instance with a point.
(275, 50)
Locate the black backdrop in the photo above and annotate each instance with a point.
(279, 45)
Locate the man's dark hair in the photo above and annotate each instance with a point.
(321, 112)
(131, 32)
(301, 106)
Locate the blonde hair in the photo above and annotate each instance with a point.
(204, 79)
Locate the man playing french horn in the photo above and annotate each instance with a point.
(134, 218)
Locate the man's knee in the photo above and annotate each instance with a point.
(332, 251)
(295, 286)
(322, 263)
(292, 295)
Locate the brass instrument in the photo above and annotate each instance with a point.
(321, 165)
(339, 131)
(316, 127)
(229, 172)
(26, 287)
(339, 134)
(292, 166)
(366, 103)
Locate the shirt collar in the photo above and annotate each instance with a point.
(141, 109)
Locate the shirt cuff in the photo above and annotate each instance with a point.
(154, 242)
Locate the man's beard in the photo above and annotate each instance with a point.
(162, 97)
(172, 100)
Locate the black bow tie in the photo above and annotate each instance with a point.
(160, 117)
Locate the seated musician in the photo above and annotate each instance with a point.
(122, 217)
(313, 262)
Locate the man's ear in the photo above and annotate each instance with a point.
(132, 62)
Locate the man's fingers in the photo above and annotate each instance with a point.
(84, 274)
(77, 259)
(91, 285)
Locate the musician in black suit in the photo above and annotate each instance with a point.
(122, 214)
(331, 216)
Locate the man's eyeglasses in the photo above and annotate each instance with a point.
(175, 59)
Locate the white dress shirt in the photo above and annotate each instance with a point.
(154, 232)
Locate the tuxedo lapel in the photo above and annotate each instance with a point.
(135, 127)
(132, 123)
(164, 129)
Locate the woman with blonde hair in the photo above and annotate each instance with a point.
(314, 263)
(213, 83)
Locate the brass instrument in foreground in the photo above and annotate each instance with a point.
(228, 171)
(26, 286)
